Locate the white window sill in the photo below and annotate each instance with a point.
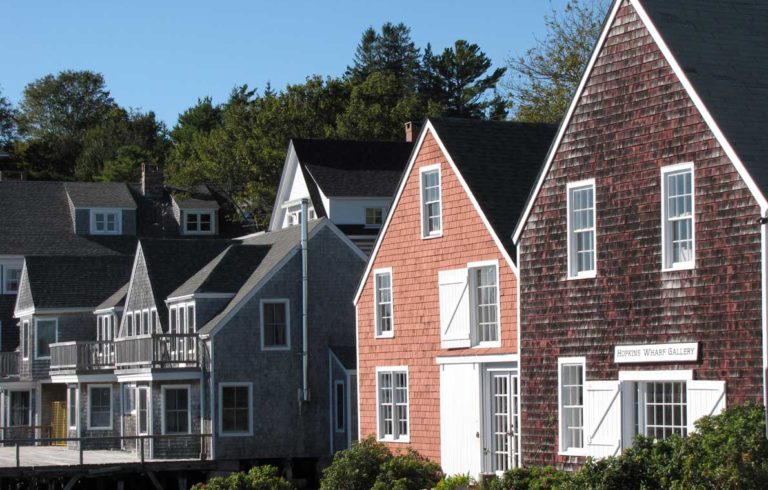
(275, 349)
(583, 275)
(432, 236)
(37, 358)
(385, 335)
(486, 345)
(403, 440)
(688, 266)
(100, 428)
(573, 452)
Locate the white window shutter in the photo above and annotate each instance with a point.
(454, 309)
(704, 398)
(602, 418)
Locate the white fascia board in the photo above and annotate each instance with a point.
(291, 161)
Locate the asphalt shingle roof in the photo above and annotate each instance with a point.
(500, 161)
(75, 282)
(116, 300)
(100, 195)
(722, 45)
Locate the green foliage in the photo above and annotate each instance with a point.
(356, 468)
(533, 478)
(546, 76)
(456, 482)
(126, 165)
(408, 471)
(7, 123)
(258, 478)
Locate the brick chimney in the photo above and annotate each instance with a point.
(410, 131)
(151, 180)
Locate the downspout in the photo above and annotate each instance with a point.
(304, 301)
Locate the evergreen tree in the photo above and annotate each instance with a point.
(7, 123)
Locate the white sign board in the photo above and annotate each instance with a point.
(629, 354)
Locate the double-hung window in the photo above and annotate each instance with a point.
(198, 223)
(235, 408)
(99, 407)
(176, 410)
(571, 377)
(19, 408)
(581, 229)
(677, 216)
(431, 202)
(483, 281)
(392, 388)
(105, 222)
(11, 279)
(275, 321)
(46, 333)
(142, 402)
(382, 298)
(72, 407)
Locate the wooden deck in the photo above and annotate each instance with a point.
(35, 457)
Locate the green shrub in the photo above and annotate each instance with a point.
(533, 478)
(408, 471)
(455, 482)
(258, 478)
(356, 468)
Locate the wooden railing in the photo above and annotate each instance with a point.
(9, 363)
(157, 350)
(24, 433)
(83, 355)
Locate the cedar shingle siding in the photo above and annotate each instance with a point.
(633, 118)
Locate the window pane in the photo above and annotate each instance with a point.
(383, 302)
(340, 407)
(100, 404)
(19, 409)
(46, 335)
(235, 409)
(275, 324)
(572, 405)
(486, 304)
(176, 410)
(664, 407)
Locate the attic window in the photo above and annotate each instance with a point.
(198, 223)
(294, 217)
(105, 222)
(374, 217)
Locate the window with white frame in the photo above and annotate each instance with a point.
(198, 222)
(72, 406)
(485, 303)
(19, 408)
(25, 340)
(142, 408)
(581, 229)
(46, 333)
(339, 406)
(662, 408)
(383, 302)
(129, 401)
(275, 331)
(11, 279)
(571, 377)
(374, 217)
(99, 407)
(678, 223)
(176, 410)
(235, 408)
(431, 205)
(105, 221)
(392, 386)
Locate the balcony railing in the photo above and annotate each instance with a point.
(9, 363)
(83, 355)
(157, 350)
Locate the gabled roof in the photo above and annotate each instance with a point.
(117, 300)
(722, 46)
(75, 282)
(35, 220)
(342, 168)
(100, 195)
(226, 273)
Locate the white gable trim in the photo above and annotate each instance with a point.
(123, 320)
(678, 71)
(401, 187)
(277, 211)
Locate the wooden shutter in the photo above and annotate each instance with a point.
(602, 418)
(704, 398)
(454, 309)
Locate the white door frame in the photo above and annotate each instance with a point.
(513, 408)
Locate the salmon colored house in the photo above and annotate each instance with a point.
(437, 307)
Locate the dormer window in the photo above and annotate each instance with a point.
(105, 222)
(198, 223)
(374, 217)
(11, 277)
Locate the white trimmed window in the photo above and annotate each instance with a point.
(382, 303)
(99, 407)
(677, 216)
(275, 321)
(374, 217)
(11, 279)
(431, 202)
(581, 229)
(485, 303)
(662, 409)
(235, 401)
(105, 221)
(176, 419)
(46, 333)
(571, 396)
(19, 408)
(392, 389)
(142, 409)
(198, 222)
(72, 411)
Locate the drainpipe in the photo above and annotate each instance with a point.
(304, 290)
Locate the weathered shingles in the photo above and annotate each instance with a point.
(722, 45)
(100, 195)
(500, 161)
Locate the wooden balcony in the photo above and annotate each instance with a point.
(83, 355)
(157, 351)
(9, 364)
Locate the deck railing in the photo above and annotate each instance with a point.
(9, 363)
(83, 355)
(157, 350)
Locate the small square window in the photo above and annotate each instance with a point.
(198, 223)
(105, 222)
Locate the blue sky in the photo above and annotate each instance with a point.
(162, 55)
